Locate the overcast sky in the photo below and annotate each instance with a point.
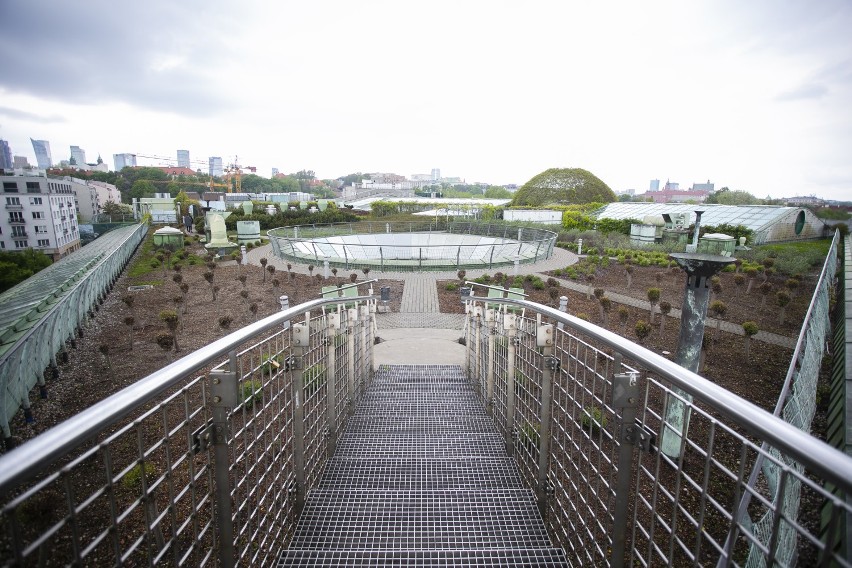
(752, 95)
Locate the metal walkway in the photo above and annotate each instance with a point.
(421, 478)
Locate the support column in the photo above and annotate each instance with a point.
(366, 360)
(544, 340)
(301, 339)
(351, 323)
(477, 348)
(333, 322)
(625, 396)
(510, 327)
(225, 397)
(489, 385)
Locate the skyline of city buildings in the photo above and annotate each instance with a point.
(122, 161)
(5, 155)
(42, 153)
(78, 155)
(183, 158)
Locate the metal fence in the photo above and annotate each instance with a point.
(205, 462)
(582, 410)
(306, 243)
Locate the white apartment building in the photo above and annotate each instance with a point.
(39, 213)
(91, 196)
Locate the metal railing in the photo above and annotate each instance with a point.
(582, 410)
(204, 462)
(305, 243)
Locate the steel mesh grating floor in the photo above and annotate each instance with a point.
(420, 477)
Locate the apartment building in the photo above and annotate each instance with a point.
(39, 213)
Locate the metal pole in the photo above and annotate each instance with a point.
(551, 365)
(223, 389)
(366, 364)
(331, 382)
(301, 338)
(477, 348)
(489, 388)
(351, 320)
(511, 329)
(563, 307)
(625, 396)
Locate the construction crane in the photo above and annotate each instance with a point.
(235, 171)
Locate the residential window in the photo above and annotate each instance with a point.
(2, 245)
(35, 201)
(43, 243)
(33, 187)
(38, 214)
(13, 201)
(10, 186)
(19, 231)
(41, 229)
(21, 244)
(16, 217)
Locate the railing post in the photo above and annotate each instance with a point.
(301, 339)
(333, 322)
(510, 327)
(625, 396)
(563, 307)
(544, 340)
(490, 318)
(224, 396)
(477, 343)
(366, 362)
(351, 322)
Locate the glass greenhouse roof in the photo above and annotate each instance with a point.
(22, 306)
(754, 217)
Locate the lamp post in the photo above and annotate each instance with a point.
(699, 269)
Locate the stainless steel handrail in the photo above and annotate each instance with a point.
(816, 455)
(42, 450)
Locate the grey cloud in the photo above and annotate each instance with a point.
(803, 92)
(32, 117)
(107, 52)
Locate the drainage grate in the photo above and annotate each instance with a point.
(420, 477)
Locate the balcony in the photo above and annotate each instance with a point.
(283, 444)
(14, 207)
(17, 221)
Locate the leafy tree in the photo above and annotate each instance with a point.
(628, 272)
(749, 329)
(665, 309)
(718, 308)
(563, 186)
(739, 280)
(170, 318)
(727, 196)
(782, 298)
(653, 298)
(751, 273)
(113, 208)
(15, 267)
(140, 189)
(623, 315)
(604, 305)
(263, 262)
(765, 289)
(792, 285)
(642, 330)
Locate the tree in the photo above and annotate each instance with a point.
(170, 318)
(263, 262)
(782, 298)
(642, 330)
(739, 280)
(665, 308)
(129, 321)
(140, 189)
(113, 208)
(751, 273)
(15, 267)
(565, 186)
(623, 315)
(726, 196)
(749, 329)
(718, 308)
(604, 305)
(590, 278)
(765, 289)
(653, 298)
(628, 272)
(271, 270)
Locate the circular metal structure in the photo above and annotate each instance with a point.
(412, 246)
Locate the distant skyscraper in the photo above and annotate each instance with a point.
(183, 158)
(703, 186)
(122, 161)
(79, 155)
(274, 172)
(436, 174)
(20, 163)
(5, 156)
(42, 152)
(671, 186)
(655, 185)
(215, 166)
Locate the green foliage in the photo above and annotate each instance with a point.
(452, 286)
(750, 328)
(832, 214)
(621, 226)
(593, 418)
(563, 186)
(726, 196)
(133, 478)
(289, 218)
(642, 330)
(735, 231)
(15, 267)
(653, 295)
(529, 436)
(252, 393)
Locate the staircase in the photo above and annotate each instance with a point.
(421, 478)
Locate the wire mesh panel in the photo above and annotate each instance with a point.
(190, 466)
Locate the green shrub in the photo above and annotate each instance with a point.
(593, 418)
(314, 378)
(452, 286)
(252, 393)
(133, 478)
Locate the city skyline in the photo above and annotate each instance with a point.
(753, 96)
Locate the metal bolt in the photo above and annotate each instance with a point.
(217, 399)
(216, 381)
(632, 400)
